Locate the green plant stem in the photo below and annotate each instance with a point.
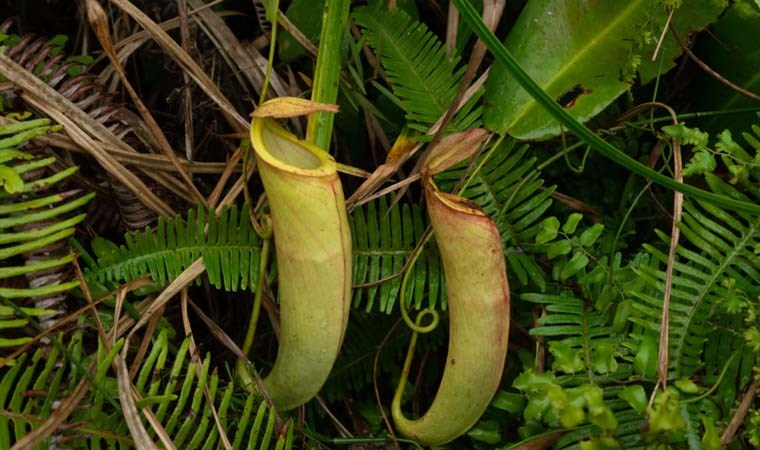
(327, 72)
(472, 19)
(272, 9)
(714, 386)
(699, 115)
(264, 259)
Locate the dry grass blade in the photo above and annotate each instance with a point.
(218, 332)
(187, 93)
(402, 150)
(213, 199)
(80, 127)
(145, 343)
(741, 413)
(183, 279)
(73, 316)
(186, 62)
(129, 407)
(140, 160)
(197, 365)
(663, 356)
(492, 10)
(297, 34)
(452, 27)
(243, 60)
(159, 429)
(134, 41)
(99, 22)
(54, 422)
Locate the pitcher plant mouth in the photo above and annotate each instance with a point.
(458, 204)
(313, 249)
(283, 150)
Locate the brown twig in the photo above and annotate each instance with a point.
(709, 70)
(740, 414)
(99, 22)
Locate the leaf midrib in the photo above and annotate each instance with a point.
(387, 39)
(532, 104)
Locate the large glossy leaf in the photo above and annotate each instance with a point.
(583, 54)
(731, 50)
(307, 16)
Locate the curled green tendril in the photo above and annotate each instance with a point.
(416, 325)
(241, 366)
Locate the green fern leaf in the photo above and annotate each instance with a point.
(170, 382)
(717, 248)
(32, 221)
(384, 239)
(228, 244)
(422, 75)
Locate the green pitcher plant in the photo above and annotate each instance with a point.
(478, 299)
(313, 247)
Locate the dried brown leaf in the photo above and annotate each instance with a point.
(186, 62)
(80, 126)
(286, 107)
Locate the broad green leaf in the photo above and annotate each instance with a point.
(710, 440)
(635, 396)
(600, 443)
(508, 401)
(584, 55)
(664, 416)
(306, 15)
(558, 248)
(687, 386)
(103, 248)
(572, 222)
(10, 180)
(575, 265)
(486, 431)
(603, 358)
(701, 162)
(687, 136)
(549, 230)
(645, 362)
(591, 234)
(566, 358)
(732, 51)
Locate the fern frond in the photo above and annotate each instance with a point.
(584, 332)
(34, 224)
(422, 75)
(228, 245)
(717, 253)
(384, 239)
(170, 384)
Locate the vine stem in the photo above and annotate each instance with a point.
(272, 10)
(416, 327)
(263, 261)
